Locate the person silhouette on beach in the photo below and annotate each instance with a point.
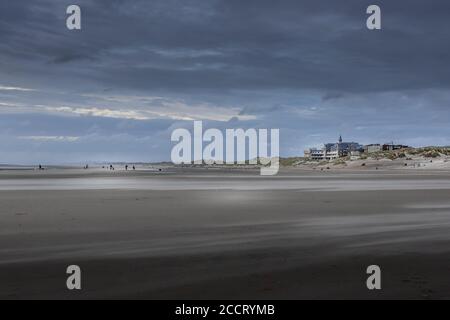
(126, 167)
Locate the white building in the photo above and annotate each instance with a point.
(332, 151)
(315, 154)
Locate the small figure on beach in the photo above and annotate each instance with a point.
(134, 168)
(126, 167)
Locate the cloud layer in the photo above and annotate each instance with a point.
(138, 69)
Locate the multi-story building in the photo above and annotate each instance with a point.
(315, 154)
(392, 147)
(332, 151)
(371, 148)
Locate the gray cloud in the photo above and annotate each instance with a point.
(224, 45)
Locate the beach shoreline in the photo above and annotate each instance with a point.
(199, 234)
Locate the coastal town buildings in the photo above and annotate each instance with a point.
(332, 151)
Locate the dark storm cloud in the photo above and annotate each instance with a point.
(224, 45)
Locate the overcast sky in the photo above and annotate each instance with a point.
(115, 90)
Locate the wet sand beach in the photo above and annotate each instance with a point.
(215, 234)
